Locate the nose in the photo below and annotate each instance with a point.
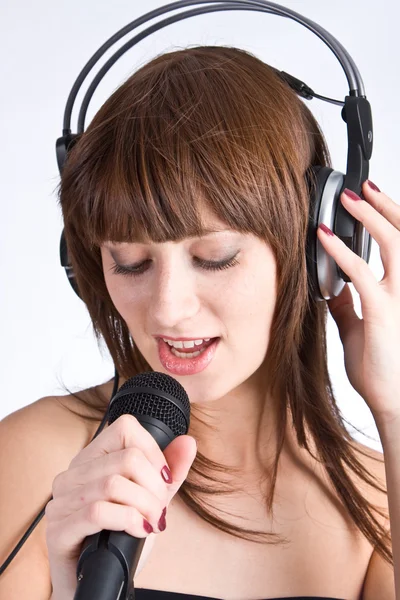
(174, 297)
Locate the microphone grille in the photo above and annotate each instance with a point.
(164, 399)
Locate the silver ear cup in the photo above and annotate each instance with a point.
(329, 281)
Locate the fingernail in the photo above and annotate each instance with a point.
(373, 186)
(147, 527)
(351, 194)
(166, 474)
(162, 523)
(325, 229)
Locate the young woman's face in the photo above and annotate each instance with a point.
(174, 295)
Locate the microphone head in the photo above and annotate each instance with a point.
(153, 395)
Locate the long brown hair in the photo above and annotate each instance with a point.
(216, 125)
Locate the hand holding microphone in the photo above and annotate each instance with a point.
(115, 484)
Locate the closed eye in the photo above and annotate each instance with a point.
(136, 270)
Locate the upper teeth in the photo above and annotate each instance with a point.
(189, 344)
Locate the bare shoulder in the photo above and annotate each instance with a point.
(69, 420)
(379, 579)
(87, 405)
(38, 442)
(374, 464)
(375, 492)
(370, 458)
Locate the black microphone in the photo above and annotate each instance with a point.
(109, 559)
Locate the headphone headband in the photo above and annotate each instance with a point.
(356, 85)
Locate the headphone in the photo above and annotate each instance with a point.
(326, 277)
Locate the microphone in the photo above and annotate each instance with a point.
(108, 559)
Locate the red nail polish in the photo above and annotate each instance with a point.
(325, 229)
(166, 474)
(147, 527)
(162, 523)
(351, 194)
(373, 186)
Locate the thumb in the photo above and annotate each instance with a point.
(180, 454)
(342, 310)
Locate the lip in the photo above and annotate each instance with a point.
(185, 366)
(184, 339)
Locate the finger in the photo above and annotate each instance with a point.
(125, 432)
(342, 310)
(384, 233)
(353, 265)
(89, 520)
(383, 204)
(129, 462)
(180, 454)
(111, 488)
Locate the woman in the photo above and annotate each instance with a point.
(186, 207)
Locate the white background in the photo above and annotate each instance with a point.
(46, 334)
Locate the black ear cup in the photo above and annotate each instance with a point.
(65, 262)
(64, 145)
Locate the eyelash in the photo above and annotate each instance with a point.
(204, 264)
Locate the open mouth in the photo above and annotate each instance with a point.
(190, 352)
(187, 361)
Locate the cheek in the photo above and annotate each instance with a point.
(253, 297)
(122, 295)
(249, 311)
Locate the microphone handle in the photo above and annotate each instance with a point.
(107, 564)
(109, 559)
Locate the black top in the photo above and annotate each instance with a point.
(145, 594)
